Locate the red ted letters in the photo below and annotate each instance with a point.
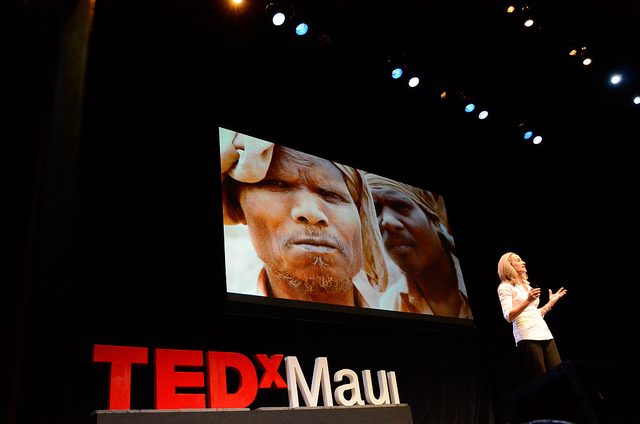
(171, 374)
(121, 359)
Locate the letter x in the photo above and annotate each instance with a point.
(271, 375)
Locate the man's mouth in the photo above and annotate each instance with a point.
(397, 243)
(316, 245)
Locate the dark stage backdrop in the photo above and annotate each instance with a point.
(139, 260)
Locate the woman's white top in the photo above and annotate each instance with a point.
(530, 324)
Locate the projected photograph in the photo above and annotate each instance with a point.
(304, 228)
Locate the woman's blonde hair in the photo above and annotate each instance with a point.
(506, 271)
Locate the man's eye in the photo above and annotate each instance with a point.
(332, 195)
(274, 184)
(401, 207)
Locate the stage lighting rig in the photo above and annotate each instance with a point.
(524, 13)
(527, 133)
(279, 13)
(399, 70)
(581, 53)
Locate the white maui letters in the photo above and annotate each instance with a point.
(320, 378)
(347, 394)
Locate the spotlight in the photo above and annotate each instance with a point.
(470, 107)
(278, 18)
(414, 82)
(584, 55)
(537, 139)
(276, 13)
(483, 114)
(511, 9)
(636, 100)
(527, 16)
(396, 66)
(615, 79)
(525, 130)
(302, 28)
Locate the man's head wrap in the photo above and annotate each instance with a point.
(246, 159)
(432, 205)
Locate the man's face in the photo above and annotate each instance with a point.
(303, 222)
(410, 237)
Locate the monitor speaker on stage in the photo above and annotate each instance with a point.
(581, 392)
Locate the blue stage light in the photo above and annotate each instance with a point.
(302, 28)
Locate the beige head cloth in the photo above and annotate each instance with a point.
(431, 204)
(247, 159)
(375, 265)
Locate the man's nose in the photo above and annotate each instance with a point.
(308, 209)
(389, 221)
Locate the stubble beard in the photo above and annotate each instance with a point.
(320, 280)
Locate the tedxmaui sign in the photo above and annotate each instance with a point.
(204, 375)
